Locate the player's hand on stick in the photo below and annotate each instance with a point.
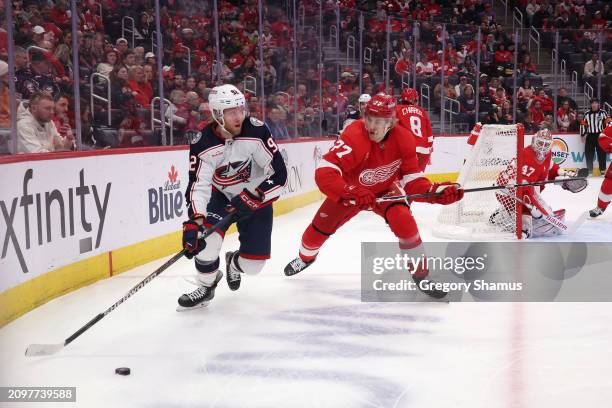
(446, 193)
(192, 231)
(246, 203)
(359, 196)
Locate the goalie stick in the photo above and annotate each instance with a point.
(472, 190)
(48, 349)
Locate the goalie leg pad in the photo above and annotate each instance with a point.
(542, 228)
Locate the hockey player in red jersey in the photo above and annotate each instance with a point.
(537, 165)
(414, 118)
(373, 157)
(605, 193)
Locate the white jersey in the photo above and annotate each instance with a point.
(249, 161)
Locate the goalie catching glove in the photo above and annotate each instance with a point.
(575, 186)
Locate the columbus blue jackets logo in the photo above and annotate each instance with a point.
(233, 173)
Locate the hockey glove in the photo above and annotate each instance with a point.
(359, 196)
(447, 193)
(567, 172)
(246, 203)
(191, 241)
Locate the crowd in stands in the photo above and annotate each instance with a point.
(116, 55)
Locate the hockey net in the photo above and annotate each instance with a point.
(488, 214)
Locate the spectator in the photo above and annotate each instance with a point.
(527, 68)
(277, 126)
(141, 89)
(36, 78)
(593, 67)
(462, 85)
(107, 66)
(467, 105)
(60, 119)
(36, 132)
(563, 96)
(179, 81)
(150, 59)
(129, 59)
(525, 93)
(179, 111)
(120, 89)
(565, 117)
(5, 110)
(424, 67)
(528, 124)
(545, 100)
(537, 113)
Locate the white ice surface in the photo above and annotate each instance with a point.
(308, 341)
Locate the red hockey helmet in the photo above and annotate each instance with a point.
(379, 116)
(410, 95)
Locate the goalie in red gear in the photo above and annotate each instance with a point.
(415, 119)
(537, 165)
(373, 157)
(605, 193)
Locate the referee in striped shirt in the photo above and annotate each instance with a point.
(592, 126)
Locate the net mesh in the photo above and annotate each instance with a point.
(486, 214)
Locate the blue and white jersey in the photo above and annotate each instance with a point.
(250, 160)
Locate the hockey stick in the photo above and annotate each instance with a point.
(472, 190)
(554, 221)
(48, 349)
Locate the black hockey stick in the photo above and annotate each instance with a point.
(472, 190)
(48, 349)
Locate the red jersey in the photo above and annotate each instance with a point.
(532, 171)
(415, 119)
(605, 139)
(355, 159)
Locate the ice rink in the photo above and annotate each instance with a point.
(308, 341)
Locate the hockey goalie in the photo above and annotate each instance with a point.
(536, 165)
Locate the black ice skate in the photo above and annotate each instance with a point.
(296, 266)
(200, 297)
(232, 274)
(596, 212)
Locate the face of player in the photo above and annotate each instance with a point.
(233, 118)
(378, 127)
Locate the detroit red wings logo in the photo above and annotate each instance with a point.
(369, 177)
(233, 173)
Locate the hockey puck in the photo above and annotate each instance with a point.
(123, 371)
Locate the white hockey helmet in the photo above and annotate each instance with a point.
(541, 143)
(363, 101)
(224, 97)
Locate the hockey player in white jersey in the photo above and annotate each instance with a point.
(354, 114)
(235, 166)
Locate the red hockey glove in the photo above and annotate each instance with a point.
(450, 192)
(191, 241)
(246, 203)
(359, 196)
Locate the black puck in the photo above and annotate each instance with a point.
(123, 371)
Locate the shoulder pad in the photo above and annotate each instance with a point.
(256, 122)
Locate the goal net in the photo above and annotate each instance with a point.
(492, 214)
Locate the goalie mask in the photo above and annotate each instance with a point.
(226, 97)
(379, 116)
(541, 143)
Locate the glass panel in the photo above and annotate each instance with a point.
(6, 117)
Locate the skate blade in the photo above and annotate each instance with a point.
(180, 308)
